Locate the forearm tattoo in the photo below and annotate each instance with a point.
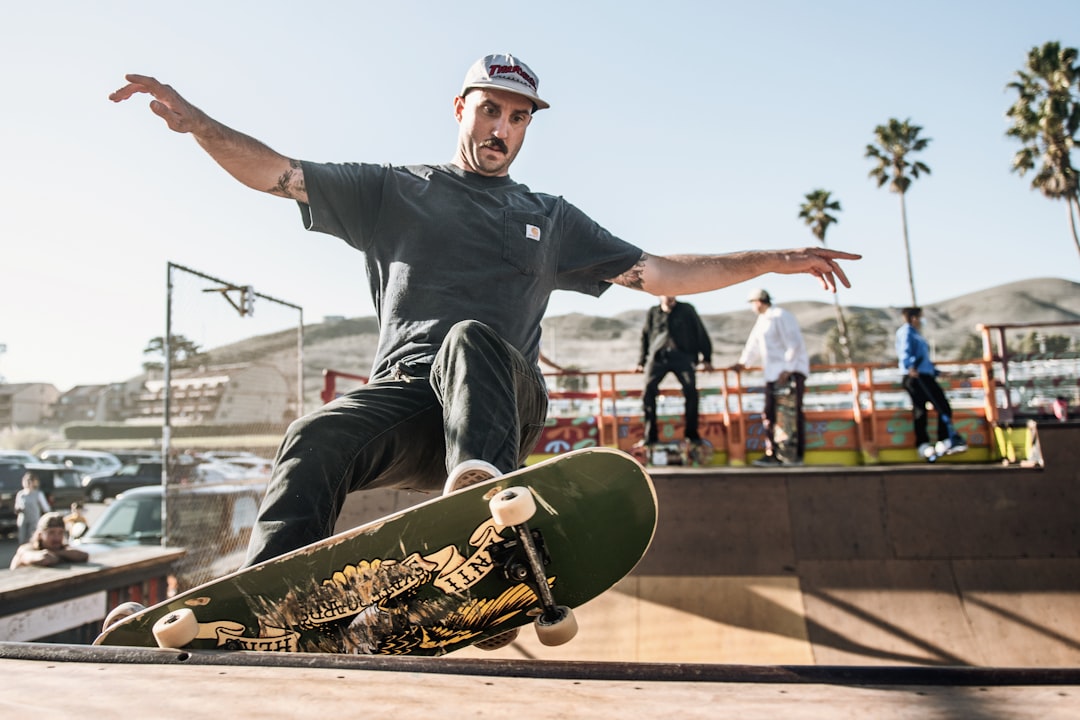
(291, 182)
(633, 278)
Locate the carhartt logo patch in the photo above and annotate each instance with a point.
(532, 232)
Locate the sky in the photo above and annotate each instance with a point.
(689, 127)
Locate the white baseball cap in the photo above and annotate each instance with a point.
(504, 72)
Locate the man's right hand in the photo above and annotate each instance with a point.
(245, 158)
(178, 113)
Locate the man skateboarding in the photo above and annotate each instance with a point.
(461, 261)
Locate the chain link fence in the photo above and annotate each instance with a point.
(230, 383)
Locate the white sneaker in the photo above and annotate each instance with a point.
(469, 473)
(951, 446)
(926, 450)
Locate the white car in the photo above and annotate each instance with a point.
(18, 456)
(211, 522)
(251, 467)
(87, 462)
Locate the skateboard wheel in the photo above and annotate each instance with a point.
(512, 506)
(176, 629)
(121, 611)
(556, 630)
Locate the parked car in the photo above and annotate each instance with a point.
(18, 456)
(61, 485)
(250, 466)
(127, 457)
(211, 522)
(98, 487)
(85, 461)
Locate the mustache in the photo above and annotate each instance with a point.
(495, 144)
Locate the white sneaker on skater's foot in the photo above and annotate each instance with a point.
(469, 473)
(951, 446)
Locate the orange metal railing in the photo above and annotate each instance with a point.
(865, 401)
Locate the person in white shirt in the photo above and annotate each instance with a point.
(776, 345)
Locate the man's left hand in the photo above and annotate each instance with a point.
(819, 262)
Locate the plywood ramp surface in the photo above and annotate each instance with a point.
(102, 690)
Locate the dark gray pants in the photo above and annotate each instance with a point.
(682, 365)
(925, 389)
(480, 400)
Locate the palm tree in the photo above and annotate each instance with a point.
(895, 141)
(815, 213)
(1046, 116)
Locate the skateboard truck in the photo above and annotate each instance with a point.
(513, 508)
(515, 565)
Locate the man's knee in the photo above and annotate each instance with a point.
(469, 331)
(300, 426)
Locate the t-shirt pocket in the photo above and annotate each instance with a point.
(526, 240)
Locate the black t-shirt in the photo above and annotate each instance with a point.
(444, 245)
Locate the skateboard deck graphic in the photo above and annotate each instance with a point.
(786, 432)
(434, 578)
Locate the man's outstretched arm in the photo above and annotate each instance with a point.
(689, 274)
(245, 158)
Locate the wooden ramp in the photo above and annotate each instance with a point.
(64, 681)
(916, 565)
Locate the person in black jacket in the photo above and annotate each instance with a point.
(671, 342)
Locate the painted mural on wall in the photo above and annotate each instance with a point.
(829, 434)
(563, 434)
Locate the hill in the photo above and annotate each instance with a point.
(612, 343)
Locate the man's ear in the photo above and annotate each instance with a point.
(459, 107)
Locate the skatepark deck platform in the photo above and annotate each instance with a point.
(80, 681)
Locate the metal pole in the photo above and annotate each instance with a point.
(166, 426)
(300, 365)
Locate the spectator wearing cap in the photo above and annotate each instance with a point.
(48, 546)
(776, 345)
(920, 381)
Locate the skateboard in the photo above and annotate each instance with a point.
(938, 449)
(786, 430)
(448, 573)
(674, 453)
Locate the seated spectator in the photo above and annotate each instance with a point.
(48, 545)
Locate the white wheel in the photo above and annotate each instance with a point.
(120, 612)
(558, 630)
(513, 506)
(176, 629)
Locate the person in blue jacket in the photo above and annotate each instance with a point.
(920, 381)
